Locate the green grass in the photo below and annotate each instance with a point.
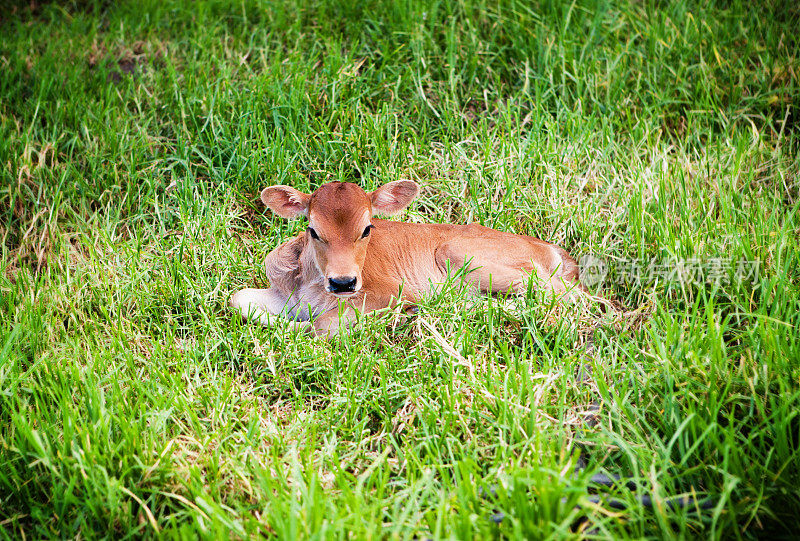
(134, 138)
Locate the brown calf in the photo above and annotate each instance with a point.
(348, 257)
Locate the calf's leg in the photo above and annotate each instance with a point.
(265, 306)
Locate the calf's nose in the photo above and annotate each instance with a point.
(342, 284)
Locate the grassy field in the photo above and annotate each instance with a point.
(656, 137)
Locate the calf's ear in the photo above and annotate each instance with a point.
(393, 197)
(285, 201)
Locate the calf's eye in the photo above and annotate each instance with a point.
(313, 233)
(365, 234)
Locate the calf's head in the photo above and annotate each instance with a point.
(339, 224)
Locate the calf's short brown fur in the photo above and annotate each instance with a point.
(347, 260)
